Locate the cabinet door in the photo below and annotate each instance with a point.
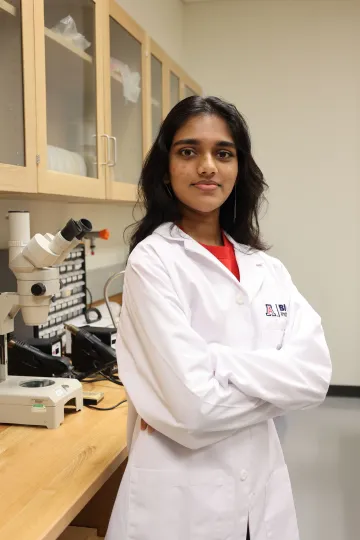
(174, 89)
(127, 118)
(188, 87)
(17, 97)
(160, 87)
(189, 92)
(70, 112)
(181, 85)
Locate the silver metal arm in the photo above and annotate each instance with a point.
(106, 293)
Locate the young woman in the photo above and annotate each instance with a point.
(214, 342)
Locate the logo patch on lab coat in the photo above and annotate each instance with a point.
(276, 310)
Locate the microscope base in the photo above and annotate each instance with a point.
(38, 402)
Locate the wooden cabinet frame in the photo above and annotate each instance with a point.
(53, 182)
(190, 83)
(15, 178)
(169, 66)
(121, 190)
(159, 53)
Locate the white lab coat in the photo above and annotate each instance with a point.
(209, 362)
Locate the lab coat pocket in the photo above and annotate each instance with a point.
(167, 505)
(272, 333)
(155, 505)
(280, 514)
(211, 506)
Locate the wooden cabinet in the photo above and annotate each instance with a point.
(159, 86)
(85, 92)
(126, 102)
(170, 87)
(168, 83)
(17, 97)
(174, 88)
(188, 87)
(71, 145)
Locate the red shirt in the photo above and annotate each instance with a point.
(226, 255)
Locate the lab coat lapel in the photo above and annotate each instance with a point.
(193, 246)
(249, 261)
(251, 268)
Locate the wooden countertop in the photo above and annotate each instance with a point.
(48, 476)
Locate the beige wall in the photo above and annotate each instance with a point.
(48, 216)
(163, 20)
(292, 67)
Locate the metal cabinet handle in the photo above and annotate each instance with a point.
(107, 149)
(113, 162)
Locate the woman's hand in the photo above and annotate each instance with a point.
(145, 426)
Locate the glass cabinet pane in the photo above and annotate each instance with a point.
(71, 86)
(126, 104)
(174, 89)
(189, 92)
(156, 96)
(12, 143)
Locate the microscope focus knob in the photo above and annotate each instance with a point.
(38, 289)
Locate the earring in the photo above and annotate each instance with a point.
(167, 184)
(169, 191)
(235, 209)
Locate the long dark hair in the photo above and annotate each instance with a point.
(159, 201)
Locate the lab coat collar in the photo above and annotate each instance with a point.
(250, 261)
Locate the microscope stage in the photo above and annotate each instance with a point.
(38, 401)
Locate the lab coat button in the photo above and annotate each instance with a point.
(243, 475)
(239, 299)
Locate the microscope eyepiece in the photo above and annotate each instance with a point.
(85, 227)
(71, 229)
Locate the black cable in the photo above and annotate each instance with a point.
(112, 376)
(93, 376)
(91, 298)
(112, 379)
(97, 379)
(95, 371)
(106, 408)
(90, 309)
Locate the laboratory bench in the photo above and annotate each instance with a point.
(50, 479)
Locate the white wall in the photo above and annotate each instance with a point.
(292, 67)
(163, 20)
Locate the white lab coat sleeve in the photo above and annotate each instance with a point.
(168, 369)
(295, 377)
